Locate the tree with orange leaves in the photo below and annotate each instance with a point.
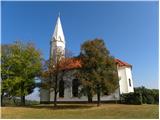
(54, 73)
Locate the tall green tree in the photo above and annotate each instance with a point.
(20, 64)
(98, 72)
(6, 74)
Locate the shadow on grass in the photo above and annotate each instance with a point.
(59, 106)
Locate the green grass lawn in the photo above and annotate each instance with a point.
(83, 111)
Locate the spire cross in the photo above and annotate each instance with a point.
(59, 14)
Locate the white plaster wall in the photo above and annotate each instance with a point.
(51, 94)
(67, 88)
(125, 74)
(122, 82)
(60, 44)
(61, 48)
(113, 96)
(129, 76)
(44, 95)
(68, 92)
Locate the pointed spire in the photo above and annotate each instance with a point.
(58, 31)
(59, 14)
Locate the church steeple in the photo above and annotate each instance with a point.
(57, 43)
(59, 14)
(58, 31)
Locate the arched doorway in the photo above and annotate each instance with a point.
(75, 85)
(61, 88)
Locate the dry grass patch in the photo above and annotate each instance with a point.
(84, 111)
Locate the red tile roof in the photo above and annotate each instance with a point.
(121, 63)
(70, 63)
(73, 63)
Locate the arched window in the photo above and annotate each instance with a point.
(61, 88)
(129, 82)
(75, 85)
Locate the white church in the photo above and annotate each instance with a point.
(66, 94)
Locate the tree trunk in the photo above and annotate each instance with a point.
(55, 99)
(98, 95)
(55, 91)
(89, 98)
(89, 95)
(2, 98)
(23, 100)
(22, 94)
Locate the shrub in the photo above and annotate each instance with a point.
(131, 98)
(149, 96)
(17, 102)
(141, 95)
(150, 99)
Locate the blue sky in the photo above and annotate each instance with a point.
(129, 29)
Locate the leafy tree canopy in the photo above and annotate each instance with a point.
(20, 64)
(98, 73)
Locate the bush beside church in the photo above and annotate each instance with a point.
(141, 95)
